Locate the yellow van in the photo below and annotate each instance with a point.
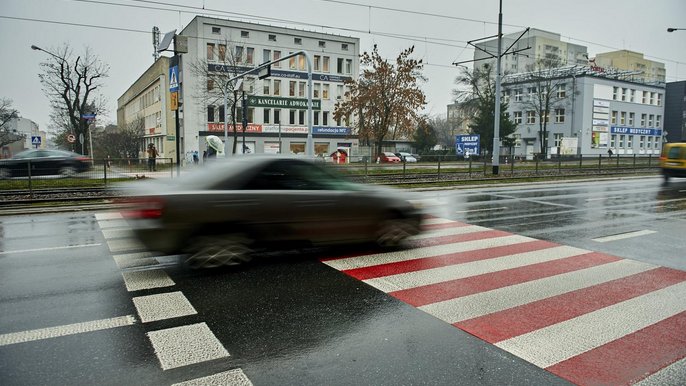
(673, 160)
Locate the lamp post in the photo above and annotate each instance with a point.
(36, 48)
(671, 29)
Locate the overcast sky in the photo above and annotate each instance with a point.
(440, 29)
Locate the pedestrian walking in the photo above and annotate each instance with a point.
(152, 155)
(609, 152)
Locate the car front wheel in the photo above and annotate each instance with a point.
(212, 252)
(393, 232)
(67, 171)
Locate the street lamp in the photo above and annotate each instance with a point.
(675, 29)
(36, 48)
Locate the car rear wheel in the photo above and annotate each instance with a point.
(67, 171)
(393, 232)
(212, 252)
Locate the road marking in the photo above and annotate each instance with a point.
(132, 260)
(123, 245)
(542, 347)
(163, 306)
(481, 210)
(437, 220)
(622, 236)
(118, 233)
(141, 280)
(602, 198)
(458, 229)
(69, 329)
(483, 303)
(427, 277)
(108, 216)
(673, 374)
(50, 248)
(186, 345)
(234, 377)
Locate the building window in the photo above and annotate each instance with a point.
(291, 117)
(266, 115)
(322, 44)
(628, 141)
(210, 113)
(272, 38)
(622, 118)
(641, 141)
(652, 98)
(291, 62)
(316, 88)
(658, 121)
(210, 84)
(659, 99)
(615, 93)
(277, 56)
(222, 116)
(245, 34)
(301, 89)
(301, 117)
(561, 90)
(559, 116)
(266, 56)
(650, 120)
(325, 64)
(216, 30)
(613, 140)
(315, 114)
(325, 91)
(624, 91)
(265, 86)
(632, 96)
(557, 139)
(621, 141)
(518, 95)
(613, 119)
(317, 62)
(277, 116)
(344, 47)
(291, 88)
(339, 66)
(530, 117)
(339, 91)
(643, 120)
(250, 54)
(301, 62)
(210, 51)
(298, 41)
(644, 99)
(631, 119)
(325, 118)
(348, 66)
(238, 56)
(277, 87)
(517, 117)
(222, 52)
(518, 140)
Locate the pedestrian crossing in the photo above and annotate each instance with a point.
(588, 317)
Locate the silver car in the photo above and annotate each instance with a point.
(224, 213)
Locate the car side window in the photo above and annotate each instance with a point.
(284, 175)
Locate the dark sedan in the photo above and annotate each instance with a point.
(224, 213)
(43, 162)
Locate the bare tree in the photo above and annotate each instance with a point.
(444, 131)
(71, 83)
(7, 113)
(386, 98)
(120, 142)
(546, 93)
(213, 82)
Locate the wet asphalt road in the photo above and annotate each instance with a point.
(290, 319)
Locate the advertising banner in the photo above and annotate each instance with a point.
(467, 144)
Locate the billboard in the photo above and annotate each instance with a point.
(467, 144)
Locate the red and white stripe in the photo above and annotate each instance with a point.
(586, 316)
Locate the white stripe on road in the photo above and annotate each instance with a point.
(116, 233)
(49, 248)
(163, 306)
(459, 271)
(423, 252)
(141, 280)
(123, 245)
(69, 329)
(437, 220)
(108, 216)
(234, 377)
(672, 375)
(186, 345)
(553, 344)
(622, 236)
(484, 303)
(139, 259)
(481, 210)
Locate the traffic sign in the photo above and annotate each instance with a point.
(35, 140)
(467, 144)
(71, 138)
(173, 78)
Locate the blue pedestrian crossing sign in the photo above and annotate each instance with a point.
(173, 78)
(35, 140)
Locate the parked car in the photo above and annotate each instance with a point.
(417, 157)
(44, 162)
(388, 157)
(673, 160)
(406, 157)
(225, 212)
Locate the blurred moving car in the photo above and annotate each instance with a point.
(44, 162)
(388, 157)
(673, 160)
(223, 214)
(406, 157)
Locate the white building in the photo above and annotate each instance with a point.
(276, 112)
(29, 129)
